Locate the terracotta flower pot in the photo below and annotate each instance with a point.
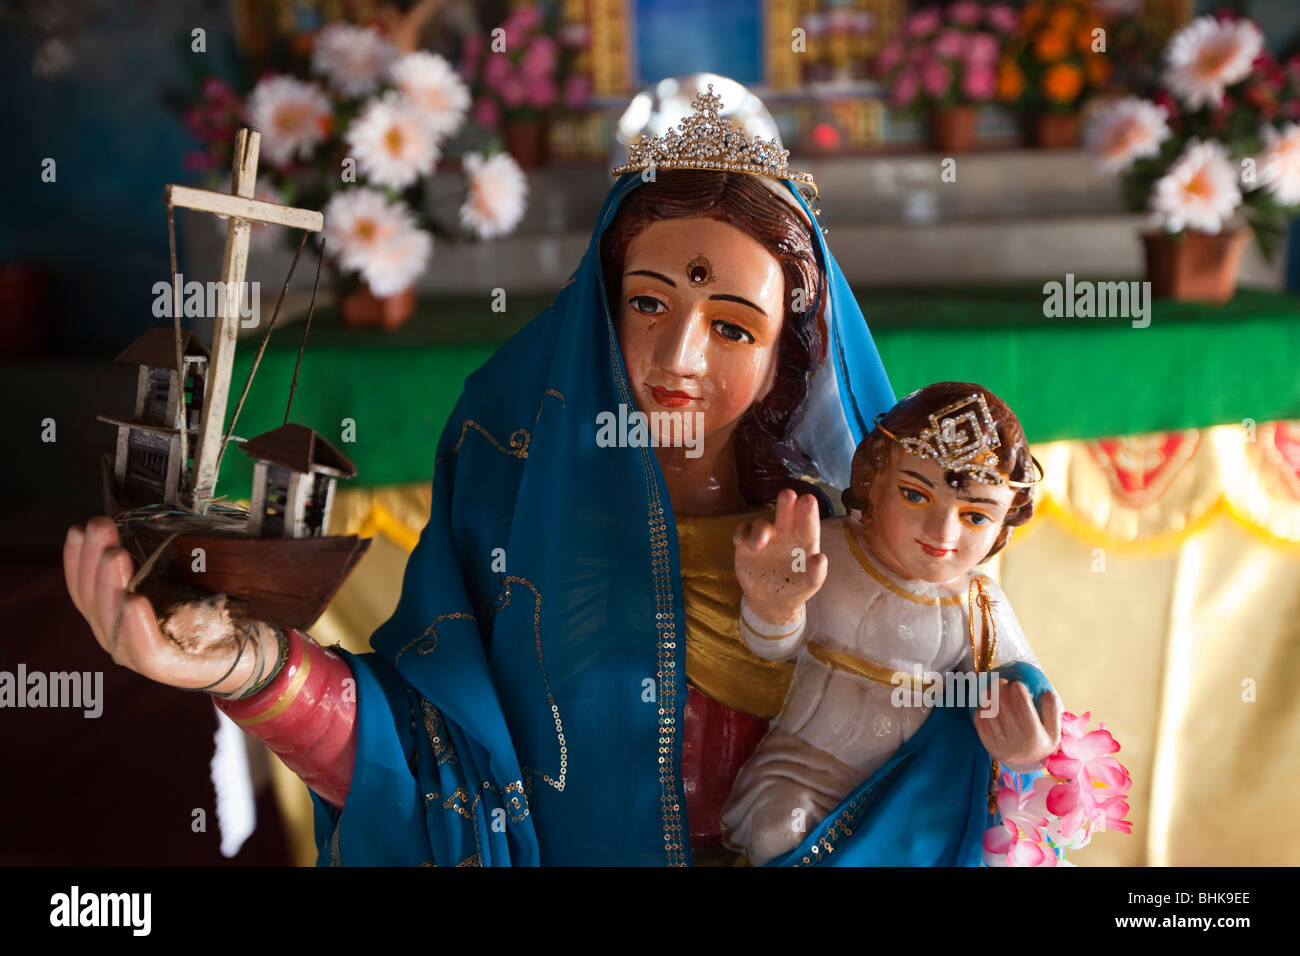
(1056, 130)
(525, 140)
(952, 128)
(1197, 268)
(363, 307)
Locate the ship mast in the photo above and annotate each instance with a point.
(242, 210)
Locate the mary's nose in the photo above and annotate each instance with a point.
(681, 347)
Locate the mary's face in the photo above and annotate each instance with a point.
(698, 320)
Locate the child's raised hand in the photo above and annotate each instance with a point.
(780, 565)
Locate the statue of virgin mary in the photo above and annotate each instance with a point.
(563, 681)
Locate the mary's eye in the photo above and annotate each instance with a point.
(912, 495)
(977, 519)
(647, 304)
(731, 331)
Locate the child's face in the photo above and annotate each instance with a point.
(927, 531)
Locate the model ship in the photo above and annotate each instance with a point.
(275, 562)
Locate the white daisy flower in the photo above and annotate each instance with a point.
(291, 115)
(1279, 167)
(359, 221)
(353, 58)
(1125, 130)
(1208, 55)
(433, 87)
(497, 190)
(391, 144)
(396, 264)
(1199, 192)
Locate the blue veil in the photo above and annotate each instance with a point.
(524, 703)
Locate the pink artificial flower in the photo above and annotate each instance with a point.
(219, 92)
(539, 59)
(937, 79)
(496, 70)
(965, 12)
(979, 82)
(1019, 805)
(197, 161)
(950, 43)
(1003, 18)
(513, 91)
(577, 88)
(486, 113)
(1085, 757)
(923, 23)
(542, 94)
(1090, 781)
(982, 48)
(520, 22)
(1112, 815)
(905, 90)
(1006, 845)
(890, 56)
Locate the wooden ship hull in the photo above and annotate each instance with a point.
(284, 581)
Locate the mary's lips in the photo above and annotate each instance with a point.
(670, 398)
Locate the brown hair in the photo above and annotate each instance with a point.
(767, 456)
(912, 414)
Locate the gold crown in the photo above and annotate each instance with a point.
(705, 140)
(961, 438)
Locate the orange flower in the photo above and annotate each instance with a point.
(1031, 13)
(1011, 81)
(1097, 69)
(1063, 19)
(1051, 45)
(1063, 82)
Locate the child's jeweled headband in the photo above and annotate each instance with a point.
(962, 438)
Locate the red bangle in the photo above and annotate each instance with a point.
(307, 715)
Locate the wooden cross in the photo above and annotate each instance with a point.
(242, 210)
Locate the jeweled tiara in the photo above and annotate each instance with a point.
(705, 140)
(961, 438)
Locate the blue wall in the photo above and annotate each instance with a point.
(101, 226)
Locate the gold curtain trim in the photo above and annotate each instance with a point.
(1064, 517)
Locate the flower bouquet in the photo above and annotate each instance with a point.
(1055, 59)
(945, 62)
(358, 134)
(520, 75)
(1215, 151)
(1084, 792)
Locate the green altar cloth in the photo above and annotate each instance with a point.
(1193, 366)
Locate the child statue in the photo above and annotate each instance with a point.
(869, 605)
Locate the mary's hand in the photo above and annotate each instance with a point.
(780, 565)
(198, 645)
(1013, 733)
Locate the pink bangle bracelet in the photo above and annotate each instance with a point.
(307, 715)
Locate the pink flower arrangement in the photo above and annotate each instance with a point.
(521, 72)
(1207, 151)
(946, 58)
(1084, 792)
